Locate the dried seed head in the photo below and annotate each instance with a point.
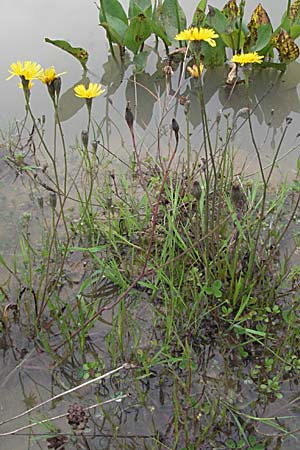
(183, 100)
(168, 71)
(77, 417)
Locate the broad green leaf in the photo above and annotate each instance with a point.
(264, 34)
(138, 31)
(234, 40)
(295, 31)
(216, 19)
(159, 32)
(116, 29)
(78, 52)
(111, 8)
(140, 61)
(213, 56)
(285, 24)
(141, 27)
(199, 13)
(137, 7)
(173, 18)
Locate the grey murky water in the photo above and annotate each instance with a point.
(24, 27)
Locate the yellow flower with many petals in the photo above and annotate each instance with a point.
(48, 75)
(29, 70)
(247, 58)
(94, 90)
(195, 71)
(198, 34)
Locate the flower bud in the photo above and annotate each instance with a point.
(52, 200)
(57, 86)
(85, 138)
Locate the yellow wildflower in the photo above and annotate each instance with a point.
(29, 70)
(48, 75)
(198, 34)
(94, 90)
(247, 58)
(195, 71)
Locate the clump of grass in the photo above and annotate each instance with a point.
(178, 260)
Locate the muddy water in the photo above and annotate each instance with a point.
(22, 35)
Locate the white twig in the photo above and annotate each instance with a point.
(94, 380)
(40, 422)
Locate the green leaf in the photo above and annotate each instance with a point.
(234, 40)
(213, 56)
(230, 443)
(116, 29)
(138, 31)
(295, 31)
(173, 18)
(216, 19)
(217, 284)
(140, 28)
(140, 61)
(159, 32)
(199, 13)
(78, 52)
(264, 34)
(137, 7)
(111, 8)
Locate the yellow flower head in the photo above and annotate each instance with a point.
(247, 58)
(29, 70)
(94, 90)
(48, 75)
(194, 71)
(198, 34)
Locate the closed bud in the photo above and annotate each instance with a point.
(129, 116)
(51, 90)
(85, 138)
(52, 200)
(94, 146)
(57, 86)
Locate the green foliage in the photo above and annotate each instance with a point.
(215, 19)
(168, 19)
(264, 34)
(137, 7)
(172, 18)
(79, 53)
(199, 13)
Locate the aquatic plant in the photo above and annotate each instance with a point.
(178, 261)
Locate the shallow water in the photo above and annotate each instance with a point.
(23, 31)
